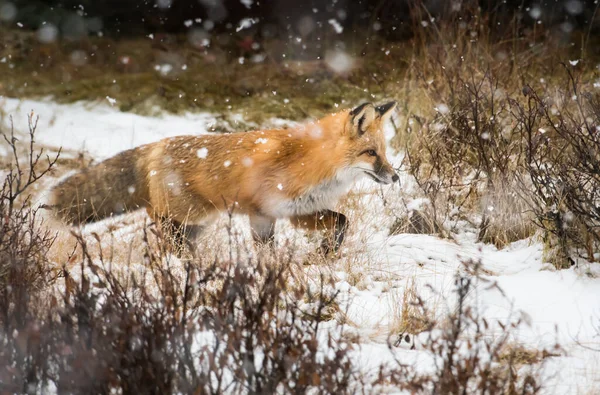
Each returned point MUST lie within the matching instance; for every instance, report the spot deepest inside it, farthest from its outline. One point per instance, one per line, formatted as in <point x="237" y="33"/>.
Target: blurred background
<point x="292" y="58"/>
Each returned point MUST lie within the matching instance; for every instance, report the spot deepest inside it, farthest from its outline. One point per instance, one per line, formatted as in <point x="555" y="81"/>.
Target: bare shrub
<point x="24" y="269"/>
<point x="466" y="359"/>
<point x="235" y="326"/>
<point x="465" y="160"/>
<point x="562" y="147"/>
<point x="458" y="136"/>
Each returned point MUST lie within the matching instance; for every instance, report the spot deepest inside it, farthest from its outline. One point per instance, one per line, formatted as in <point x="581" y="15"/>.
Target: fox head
<point x="367" y="151"/>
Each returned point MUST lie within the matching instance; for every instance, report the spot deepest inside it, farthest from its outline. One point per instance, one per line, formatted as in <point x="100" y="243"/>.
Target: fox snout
<point x="387" y="176"/>
<point x="384" y="172"/>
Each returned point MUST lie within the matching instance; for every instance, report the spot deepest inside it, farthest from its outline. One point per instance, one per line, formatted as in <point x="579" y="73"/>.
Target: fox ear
<point x="361" y="118"/>
<point x="385" y="110"/>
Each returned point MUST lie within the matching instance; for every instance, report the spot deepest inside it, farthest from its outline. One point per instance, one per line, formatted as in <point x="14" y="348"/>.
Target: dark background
<point x="276" y="18"/>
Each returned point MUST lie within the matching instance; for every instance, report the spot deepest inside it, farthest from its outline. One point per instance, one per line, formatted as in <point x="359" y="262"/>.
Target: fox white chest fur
<point x="320" y="197"/>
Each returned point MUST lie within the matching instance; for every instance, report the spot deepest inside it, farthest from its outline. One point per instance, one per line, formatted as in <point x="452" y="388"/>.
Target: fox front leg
<point x="333" y="223"/>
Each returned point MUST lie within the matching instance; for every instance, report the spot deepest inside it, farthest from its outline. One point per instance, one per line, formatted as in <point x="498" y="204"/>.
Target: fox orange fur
<point x="298" y="173"/>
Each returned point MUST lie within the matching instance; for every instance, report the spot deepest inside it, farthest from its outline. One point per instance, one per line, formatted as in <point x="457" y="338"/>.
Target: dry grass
<point x="409" y="316"/>
<point x="201" y="79"/>
<point x="518" y="355"/>
<point x="507" y="215"/>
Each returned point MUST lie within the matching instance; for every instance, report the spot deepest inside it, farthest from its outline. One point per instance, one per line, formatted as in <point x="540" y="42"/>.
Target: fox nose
<point x="395" y="178"/>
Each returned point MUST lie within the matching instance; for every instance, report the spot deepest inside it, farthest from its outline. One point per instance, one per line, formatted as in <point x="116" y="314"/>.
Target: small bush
<point x="562" y="150"/>
<point x="465" y="358"/>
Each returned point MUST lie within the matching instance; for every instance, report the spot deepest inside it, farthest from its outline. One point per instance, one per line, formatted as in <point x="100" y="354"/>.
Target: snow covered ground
<point x="558" y="306"/>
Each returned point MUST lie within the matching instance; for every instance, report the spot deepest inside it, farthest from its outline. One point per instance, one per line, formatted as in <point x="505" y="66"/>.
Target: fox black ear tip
<point x="358" y="109"/>
<point x="389" y="106"/>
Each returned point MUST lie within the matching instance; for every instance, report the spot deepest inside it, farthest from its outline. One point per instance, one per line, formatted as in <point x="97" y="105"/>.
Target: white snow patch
<point x="98" y="128"/>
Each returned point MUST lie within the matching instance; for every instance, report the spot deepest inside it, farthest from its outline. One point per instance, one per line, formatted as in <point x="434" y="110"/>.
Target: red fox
<point x="183" y="182"/>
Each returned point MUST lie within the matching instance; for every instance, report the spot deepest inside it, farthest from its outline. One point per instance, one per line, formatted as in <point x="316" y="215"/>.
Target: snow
<point x="245" y="23"/>
<point x="558" y="306"/>
<point x="442" y="108"/>
<point x="98" y="129"/>
<point x="574" y="7"/>
<point x="535" y="12"/>
<point x="339" y="61"/>
<point x="202" y="153"/>
<point x="336" y="25"/>
<point x="247" y="3"/>
<point x="47" y="33"/>
<point x="8" y="12"/>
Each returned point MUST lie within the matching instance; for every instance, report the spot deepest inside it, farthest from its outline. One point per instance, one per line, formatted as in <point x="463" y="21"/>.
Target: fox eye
<point x="370" y="152"/>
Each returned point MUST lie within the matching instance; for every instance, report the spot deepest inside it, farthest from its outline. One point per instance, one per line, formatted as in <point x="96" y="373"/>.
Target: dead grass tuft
<point x="409" y="315"/>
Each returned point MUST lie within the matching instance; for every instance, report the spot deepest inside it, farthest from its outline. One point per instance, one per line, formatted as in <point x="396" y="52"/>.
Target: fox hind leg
<point x="334" y="225"/>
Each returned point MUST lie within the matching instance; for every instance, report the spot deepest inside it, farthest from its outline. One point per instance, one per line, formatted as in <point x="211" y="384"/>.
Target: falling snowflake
<point x="336" y="25"/>
<point x="339" y="61"/>
<point x="245" y="23"/>
<point x="202" y="153"/>
<point x="442" y="108"/>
